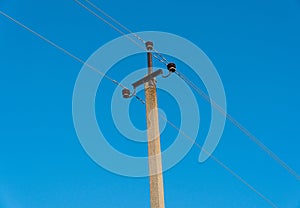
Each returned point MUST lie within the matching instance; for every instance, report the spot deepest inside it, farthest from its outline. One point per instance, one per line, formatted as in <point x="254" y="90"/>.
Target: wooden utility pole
<point x="154" y="150"/>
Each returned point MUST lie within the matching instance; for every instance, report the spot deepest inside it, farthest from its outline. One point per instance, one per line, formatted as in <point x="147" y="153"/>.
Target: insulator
<point x="171" y="67"/>
<point x="149" y="45"/>
<point x="126" y="93"/>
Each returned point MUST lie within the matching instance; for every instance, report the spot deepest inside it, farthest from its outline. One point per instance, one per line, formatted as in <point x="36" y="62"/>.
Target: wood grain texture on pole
<point x="154" y="149"/>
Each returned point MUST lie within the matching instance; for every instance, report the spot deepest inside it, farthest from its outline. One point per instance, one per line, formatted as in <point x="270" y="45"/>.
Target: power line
<point x="239" y="126"/>
<point x="108" y="23"/>
<point x="126" y="28"/>
<point x="157" y="55"/>
<point x="119" y="84"/>
<point x="115" y="21"/>
<point x="198" y="90"/>
<point x="60" y="48"/>
<point x="66" y="52"/>
<point x="229" y="170"/>
<point x="266" y="199"/>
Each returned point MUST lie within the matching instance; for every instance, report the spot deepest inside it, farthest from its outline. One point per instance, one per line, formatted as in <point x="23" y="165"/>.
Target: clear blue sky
<point x="255" y="47"/>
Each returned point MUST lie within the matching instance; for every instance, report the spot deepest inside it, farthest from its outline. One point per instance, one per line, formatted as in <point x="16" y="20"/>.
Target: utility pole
<point x="154" y="150"/>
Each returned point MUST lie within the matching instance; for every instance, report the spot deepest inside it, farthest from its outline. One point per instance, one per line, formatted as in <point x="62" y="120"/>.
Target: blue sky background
<point x="255" y="47"/>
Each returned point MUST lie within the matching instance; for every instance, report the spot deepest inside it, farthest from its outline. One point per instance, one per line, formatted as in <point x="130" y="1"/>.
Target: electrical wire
<point x="60" y="48"/>
<point x="239" y="126"/>
<point x="220" y="163"/>
<point x="122" y="86"/>
<point x="229" y="170"/>
<point x="115" y="21"/>
<point x="66" y="52"/>
<point x="125" y="28"/>
<point x="108" y="23"/>
<point x="156" y="54"/>
<point x="199" y="91"/>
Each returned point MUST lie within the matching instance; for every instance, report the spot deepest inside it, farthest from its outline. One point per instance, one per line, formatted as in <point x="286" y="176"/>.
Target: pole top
<point x="149" y="45"/>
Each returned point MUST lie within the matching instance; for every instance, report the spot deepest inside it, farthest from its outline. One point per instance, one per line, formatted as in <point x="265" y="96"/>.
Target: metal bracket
<point x="147" y="78"/>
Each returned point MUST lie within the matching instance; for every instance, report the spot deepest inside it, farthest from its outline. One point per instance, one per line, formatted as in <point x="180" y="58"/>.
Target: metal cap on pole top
<point x="149" y="45"/>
